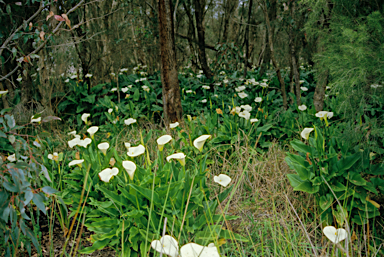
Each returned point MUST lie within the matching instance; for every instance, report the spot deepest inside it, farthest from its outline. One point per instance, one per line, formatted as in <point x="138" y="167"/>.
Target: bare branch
<point x="45" y="42"/>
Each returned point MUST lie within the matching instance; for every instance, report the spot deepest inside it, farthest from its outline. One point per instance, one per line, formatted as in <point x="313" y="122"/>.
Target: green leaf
<point x="301" y="147"/>
<point x="2" y="134"/>
<point x="338" y="187"/>
<point x="98" y="245"/>
<point x="114" y="197"/>
<point x="306" y="186"/>
<point x="39" y="201"/>
<point x="49" y="190"/>
<point x="294" y="179"/>
<point x="147" y="193"/>
<point x="326" y="201"/>
<point x="90" y="99"/>
<point x="356" y="179"/>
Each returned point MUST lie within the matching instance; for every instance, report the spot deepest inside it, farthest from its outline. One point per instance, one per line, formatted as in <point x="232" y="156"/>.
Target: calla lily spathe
<point x="302" y="107"/>
<point x="167" y="245"/>
<point x="136" y="151"/>
<point x="106" y="174"/>
<point x="324" y="114"/>
<point x="335" y="235"/>
<point x="54" y="156"/>
<point x="129" y="121"/>
<point x="200" y="141"/>
<point x="173" y="125"/>
<point x="305" y="133"/>
<point x="222" y="179"/>
<point x="130" y="167"/>
<point x="84" y="117"/>
<point x="103" y="147"/>
<point x="196" y="250"/>
<point x="92" y="130"/>
<point x="76" y="162"/>
<point x="161" y="141"/>
<point x="11" y="158"/>
<point x="74" y="142"/>
<point x="177" y="156"/>
<point x="245" y="114"/>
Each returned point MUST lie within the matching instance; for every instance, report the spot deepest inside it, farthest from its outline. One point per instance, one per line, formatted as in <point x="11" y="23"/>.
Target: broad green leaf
<point x="340" y="214"/>
<point x="356" y="179"/>
<point x="98" y="245"/>
<point x="114" y="197"/>
<point x="307" y="187"/>
<point x="147" y="193"/>
<point x="301" y="147"/>
<point x="325" y="201"/>
<point x="294" y="179"/>
<point x="39" y="201"/>
<point x="337" y="187"/>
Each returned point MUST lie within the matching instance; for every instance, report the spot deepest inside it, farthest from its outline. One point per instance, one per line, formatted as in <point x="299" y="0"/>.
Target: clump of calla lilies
<point x="169" y="246"/>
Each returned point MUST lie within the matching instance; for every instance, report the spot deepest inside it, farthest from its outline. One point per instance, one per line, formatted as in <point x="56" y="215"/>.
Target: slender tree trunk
<point x="199" y="10"/>
<point x="246" y="39"/>
<point x="275" y="64"/>
<point x="318" y="96"/>
<point x="293" y="57"/>
<point x="169" y="76"/>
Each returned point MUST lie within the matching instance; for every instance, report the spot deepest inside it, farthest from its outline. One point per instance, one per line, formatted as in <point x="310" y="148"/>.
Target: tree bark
<point x="293" y="58"/>
<point x="169" y="75"/>
<point x="199" y="9"/>
<point x="246" y="39"/>
<point x="275" y="64"/>
<point x="318" y="96"/>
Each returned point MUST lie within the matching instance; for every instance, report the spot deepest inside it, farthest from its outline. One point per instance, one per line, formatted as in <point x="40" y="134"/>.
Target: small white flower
<point x="225" y="81"/>
<point x="199" y="76"/>
<point x="19" y="79"/>
<point x="200" y="141"/>
<point x="166" y="245"/>
<point x="114" y="89"/>
<point x="239" y="89"/>
<point x="327" y="87"/>
<point x="246" y="107"/>
<point x="302" y="107"/>
<point x="222" y="73"/>
<point x="145" y="88"/>
<point x="74" y="142"/>
<point x="324" y="114"/>
<point x="129" y="121"/>
<point x="66" y="81"/>
<point x="177" y="156"/>
<point x="35" y="120"/>
<point x="84" y="143"/>
<point x="124" y="70"/>
<point x="130" y="167"/>
<point x="204" y="101"/>
<point x="161" y="141"/>
<point x="304" y="88"/>
<point x="376" y="86"/>
<point x="73" y="76"/>
<point x="263" y="84"/>
<point x="127" y="145"/>
<point x="222" y="179"/>
<point x="196" y="250"/>
<point x="305" y="133"/>
<point x="73" y="133"/>
<point x="88" y="75"/>
<point x="206" y="87"/>
<point x="112" y="74"/>
<point x="258" y="99"/>
<point x="335" y="235"/>
<point x="136" y="151"/>
<point x="124" y="89"/>
<point x="103" y="147"/>
<point x="54" y="156"/>
<point x="106" y="174"/>
<point x="242" y="95"/>
<point x="254" y="120"/>
<point x="76" y="162"/>
<point x="265" y="80"/>
<point x="11" y="158"/>
<point x="173" y="125"/>
<point x="110" y="110"/>
<point x="215" y="95"/>
<point x="189" y="91"/>
<point x="3" y="92"/>
<point x="92" y="130"/>
<point x="301" y="82"/>
<point x="245" y="114"/>
<point x="84" y="117"/>
<point x="201" y="72"/>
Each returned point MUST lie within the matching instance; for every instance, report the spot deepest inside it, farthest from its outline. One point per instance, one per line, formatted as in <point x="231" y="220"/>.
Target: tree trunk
<point x="169" y="75"/>
<point x="199" y="10"/>
<point x="293" y="57"/>
<point x="246" y="39"/>
<point x="277" y="68"/>
<point x="318" y="97"/>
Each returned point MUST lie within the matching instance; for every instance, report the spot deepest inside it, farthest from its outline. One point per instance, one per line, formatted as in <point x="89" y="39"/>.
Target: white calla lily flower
<point x="4" y="92"/>
<point x="92" y="130"/>
<point x="222" y="179"/>
<point x="130" y="167"/>
<point x="84" y="143"/>
<point x="73" y="133"/>
<point x="130" y="121"/>
<point x="324" y="114"/>
<point x="305" y="133"/>
<point x="177" y="156"/>
<point x="242" y="95"/>
<point x="38" y="120"/>
<point x="103" y="147"/>
<point x="258" y="99"/>
<point x="254" y="120"/>
<point x="173" y="125"/>
<point x="127" y="145"/>
<point x="196" y="250"/>
<point x="11" y="158"/>
<point x="245" y="114"/>
<point x="84" y="117"/>
<point x="302" y="107"/>
<point x="74" y="142"/>
<point x="304" y="88"/>
<point x="200" y="141"/>
<point x="54" y="156"/>
<point x="335" y="235"/>
<point x="106" y="174"/>
<point x="246" y="107"/>
<point x="136" y="151"/>
<point x="161" y="141"/>
<point x="166" y="245"/>
<point x="76" y="162"/>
